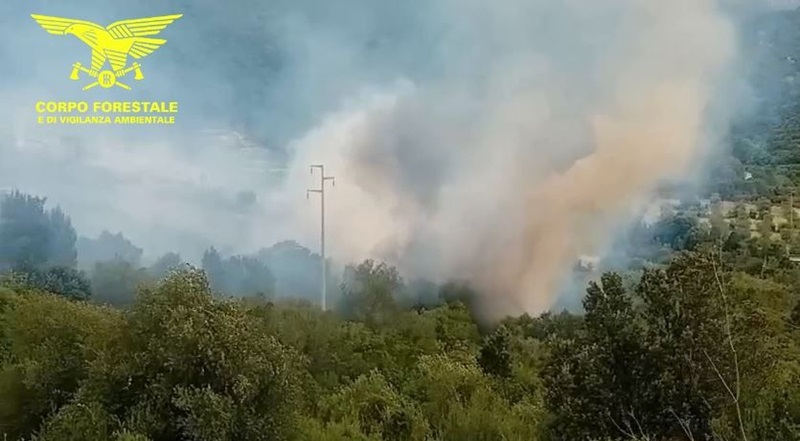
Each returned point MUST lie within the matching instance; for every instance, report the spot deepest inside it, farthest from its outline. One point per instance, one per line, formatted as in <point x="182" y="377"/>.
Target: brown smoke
<point x="507" y="205"/>
<point x="653" y="131"/>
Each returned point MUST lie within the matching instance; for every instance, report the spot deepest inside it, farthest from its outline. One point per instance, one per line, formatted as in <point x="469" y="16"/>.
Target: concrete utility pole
<point x="321" y="191"/>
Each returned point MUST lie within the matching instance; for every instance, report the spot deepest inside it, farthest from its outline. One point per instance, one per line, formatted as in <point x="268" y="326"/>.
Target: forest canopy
<point x="688" y="331"/>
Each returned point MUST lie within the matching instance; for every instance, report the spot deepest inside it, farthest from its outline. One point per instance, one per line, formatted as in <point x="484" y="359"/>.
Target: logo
<point x="113" y="43"/>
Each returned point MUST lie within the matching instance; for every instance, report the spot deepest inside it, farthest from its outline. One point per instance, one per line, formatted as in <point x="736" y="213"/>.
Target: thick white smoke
<point x="489" y="141"/>
<point x="504" y="173"/>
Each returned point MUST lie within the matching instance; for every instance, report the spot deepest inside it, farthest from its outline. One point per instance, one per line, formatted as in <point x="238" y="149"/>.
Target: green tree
<point x="461" y="403"/>
<point x="50" y="344"/>
<point x="368" y="292"/>
<point x="595" y="381"/>
<point x="377" y="409"/>
<point x="678" y="231"/>
<point x="495" y="355"/>
<point x="24" y="231"/>
<point x="239" y="276"/>
<point x="107" y="247"/>
<point x="62" y="240"/>
<point x="296" y="270"/>
<point x="116" y="282"/>
<point x="165" y="264"/>
<point x="61" y="280"/>
<point x="206" y="367"/>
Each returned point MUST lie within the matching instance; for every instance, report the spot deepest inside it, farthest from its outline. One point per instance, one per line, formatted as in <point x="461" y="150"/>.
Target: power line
<point x="321" y="191"/>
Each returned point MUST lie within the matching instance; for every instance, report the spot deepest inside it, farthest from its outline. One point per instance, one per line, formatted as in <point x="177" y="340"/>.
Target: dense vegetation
<point x="697" y="338"/>
<point x="702" y="342"/>
<point x="692" y="334"/>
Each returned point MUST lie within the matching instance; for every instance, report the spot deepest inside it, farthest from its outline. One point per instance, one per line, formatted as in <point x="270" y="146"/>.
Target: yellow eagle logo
<point x="113" y="43"/>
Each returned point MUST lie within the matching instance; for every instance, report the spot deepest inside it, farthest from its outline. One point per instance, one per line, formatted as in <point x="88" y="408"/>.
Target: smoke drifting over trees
<point x="504" y="172"/>
<point x="487" y="142"/>
<point x="479" y="148"/>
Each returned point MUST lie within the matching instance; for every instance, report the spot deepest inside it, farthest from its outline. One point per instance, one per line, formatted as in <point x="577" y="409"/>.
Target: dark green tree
<point x="295" y="268"/>
<point x="368" y="292"/>
<point x="107" y="247"/>
<point x="240" y="276"/>
<point x="495" y="355"/>
<point x="25" y="231"/>
<point x="596" y="382"/>
<point x="62" y="238"/>
<point x="60" y="280"/>
<point x="115" y="282"/>
<point x="165" y="264"/>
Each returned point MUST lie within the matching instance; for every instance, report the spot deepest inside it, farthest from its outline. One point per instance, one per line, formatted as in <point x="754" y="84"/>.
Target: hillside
<point x="687" y="330"/>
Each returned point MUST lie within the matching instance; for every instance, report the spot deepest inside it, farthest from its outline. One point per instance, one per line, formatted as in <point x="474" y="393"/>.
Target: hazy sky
<point x="492" y="140"/>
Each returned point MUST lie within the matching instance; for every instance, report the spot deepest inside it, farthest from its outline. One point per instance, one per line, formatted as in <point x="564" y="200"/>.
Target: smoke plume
<point x="505" y="173"/>
<point x="487" y="141"/>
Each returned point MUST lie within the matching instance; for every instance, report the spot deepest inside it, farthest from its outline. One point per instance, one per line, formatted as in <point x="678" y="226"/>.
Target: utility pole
<point x="790" y="216"/>
<point x="321" y="191"/>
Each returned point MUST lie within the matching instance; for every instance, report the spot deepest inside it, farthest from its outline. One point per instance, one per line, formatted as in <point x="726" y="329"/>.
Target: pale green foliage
<point x="312" y="429"/>
<point x="368" y="292"/>
<point x="695" y="348"/>
<point x="116" y="282"/>
<point x="129" y="436"/>
<point x="462" y="404"/>
<point x="78" y="422"/>
<point x="50" y="344"/>
<point x="377" y="409"/>
<point x="179" y="363"/>
<point x="207" y="414"/>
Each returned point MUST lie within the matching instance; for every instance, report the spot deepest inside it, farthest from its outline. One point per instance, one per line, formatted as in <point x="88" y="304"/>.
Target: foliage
<point x="179" y="364"/>
<point x="164" y="265"/>
<point x="669" y="358"/>
<point x="64" y="281"/>
<point x="115" y="282"/>
<point x="296" y="270"/>
<point x="239" y="276"/>
<point x="695" y="337"/>
<point x="107" y="247"/>
<point x="368" y="292"/>
<point x="32" y="236"/>
<point x="692" y="347"/>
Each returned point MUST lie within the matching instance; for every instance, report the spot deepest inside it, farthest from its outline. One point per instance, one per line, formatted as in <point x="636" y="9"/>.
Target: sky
<point x="488" y="141"/>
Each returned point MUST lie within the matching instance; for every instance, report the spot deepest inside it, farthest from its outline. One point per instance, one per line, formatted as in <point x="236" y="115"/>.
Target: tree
<point x="116" y="282"/>
<point x="564" y="325"/>
<point x="178" y="365"/>
<point x="680" y="232"/>
<point x="240" y="276"/>
<point x="376" y="409"/>
<point x="61" y="280"/>
<point x="32" y="238"/>
<point x="495" y="355"/>
<point x="595" y="381"/>
<point x="165" y="264"/>
<point x="766" y="227"/>
<point x="295" y="268"/>
<point x="107" y="247"/>
<point x="247" y="276"/>
<point x="25" y="231"/>
<point x="683" y="323"/>
<point x="61" y="250"/>
<point x="461" y="403"/>
<point x="233" y="380"/>
<point x="212" y="265"/>
<point x="49" y="343"/>
<point x="368" y="292"/>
